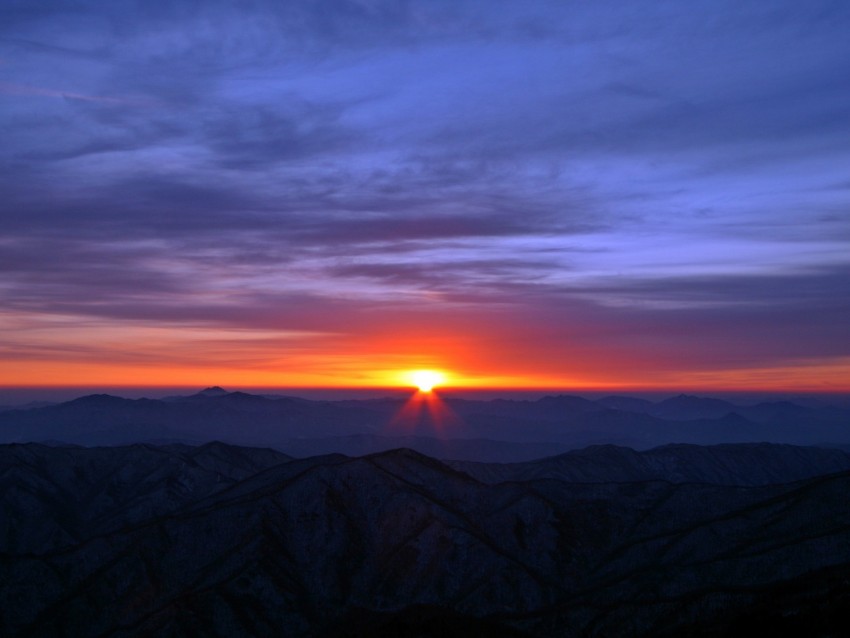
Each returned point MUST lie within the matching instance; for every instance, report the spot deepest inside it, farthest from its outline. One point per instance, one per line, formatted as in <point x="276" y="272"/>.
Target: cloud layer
<point x="547" y="195"/>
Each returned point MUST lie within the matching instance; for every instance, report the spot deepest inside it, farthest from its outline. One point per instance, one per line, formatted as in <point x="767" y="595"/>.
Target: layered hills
<point x="461" y="429"/>
<point x="219" y="540"/>
<point x="231" y="514"/>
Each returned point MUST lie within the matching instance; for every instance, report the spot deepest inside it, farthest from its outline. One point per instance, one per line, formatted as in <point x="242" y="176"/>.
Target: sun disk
<point x="425" y="380"/>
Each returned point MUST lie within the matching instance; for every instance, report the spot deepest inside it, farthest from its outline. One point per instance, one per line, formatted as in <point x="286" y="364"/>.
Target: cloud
<point x="659" y="182"/>
<point x="22" y="89"/>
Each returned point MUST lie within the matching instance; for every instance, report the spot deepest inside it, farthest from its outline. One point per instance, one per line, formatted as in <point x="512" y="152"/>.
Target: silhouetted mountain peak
<point x="404" y="454"/>
<point x="411" y="462"/>
<point x="686" y="406"/>
<point x="214" y="391"/>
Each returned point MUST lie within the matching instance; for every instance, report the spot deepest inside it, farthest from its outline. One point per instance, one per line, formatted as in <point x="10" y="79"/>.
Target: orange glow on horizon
<point x="803" y="378"/>
<point x="73" y="353"/>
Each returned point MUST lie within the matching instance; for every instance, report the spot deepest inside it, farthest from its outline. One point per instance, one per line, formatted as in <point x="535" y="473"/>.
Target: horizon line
<point x="441" y="389"/>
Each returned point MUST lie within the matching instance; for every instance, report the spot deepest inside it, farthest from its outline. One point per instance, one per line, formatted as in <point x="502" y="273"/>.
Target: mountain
<point x="686" y="408"/>
<point x="506" y="430"/>
<point x="398" y="543"/>
<point x="27" y="406"/>
<point x="233" y="417"/>
<point x="54" y="497"/>
<point x="742" y="464"/>
<point x="627" y="404"/>
<point x="214" y="391"/>
<point x="483" y="450"/>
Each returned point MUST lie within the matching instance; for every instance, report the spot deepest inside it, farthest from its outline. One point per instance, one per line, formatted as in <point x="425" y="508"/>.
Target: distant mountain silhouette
<point x="686" y="407"/>
<point x="27" y="406"/>
<point x="214" y="391"/>
<point x="627" y="404"/>
<point x="507" y="430"/>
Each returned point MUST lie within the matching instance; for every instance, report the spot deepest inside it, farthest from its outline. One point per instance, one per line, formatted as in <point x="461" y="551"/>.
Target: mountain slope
<point x="55" y="497"/>
<point x="316" y="546"/>
<point x="740" y="464"/>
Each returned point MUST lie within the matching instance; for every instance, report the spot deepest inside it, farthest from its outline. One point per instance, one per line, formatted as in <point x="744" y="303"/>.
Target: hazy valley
<point x="496" y="430"/>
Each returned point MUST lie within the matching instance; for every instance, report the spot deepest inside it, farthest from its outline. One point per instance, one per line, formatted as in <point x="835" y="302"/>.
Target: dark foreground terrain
<point x="218" y="540"/>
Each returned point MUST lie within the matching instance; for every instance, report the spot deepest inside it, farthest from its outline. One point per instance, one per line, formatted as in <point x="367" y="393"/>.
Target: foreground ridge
<point x="181" y="541"/>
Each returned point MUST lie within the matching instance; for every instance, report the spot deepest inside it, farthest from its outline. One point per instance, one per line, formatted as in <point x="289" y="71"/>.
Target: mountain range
<point x="452" y="428"/>
<point x="218" y="540"/>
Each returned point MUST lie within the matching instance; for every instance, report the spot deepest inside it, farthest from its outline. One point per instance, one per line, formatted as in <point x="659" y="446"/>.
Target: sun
<point x="425" y="380"/>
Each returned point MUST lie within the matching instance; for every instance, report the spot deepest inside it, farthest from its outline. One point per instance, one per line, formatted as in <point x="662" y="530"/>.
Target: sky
<point x="332" y="193"/>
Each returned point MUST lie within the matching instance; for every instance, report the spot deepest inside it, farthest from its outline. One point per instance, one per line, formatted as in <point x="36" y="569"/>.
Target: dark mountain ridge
<point x="727" y="464"/>
<point x="65" y="495"/>
<point x="339" y="546"/>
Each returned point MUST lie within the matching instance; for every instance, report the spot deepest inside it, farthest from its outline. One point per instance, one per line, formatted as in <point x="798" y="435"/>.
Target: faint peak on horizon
<point x="213" y="391"/>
